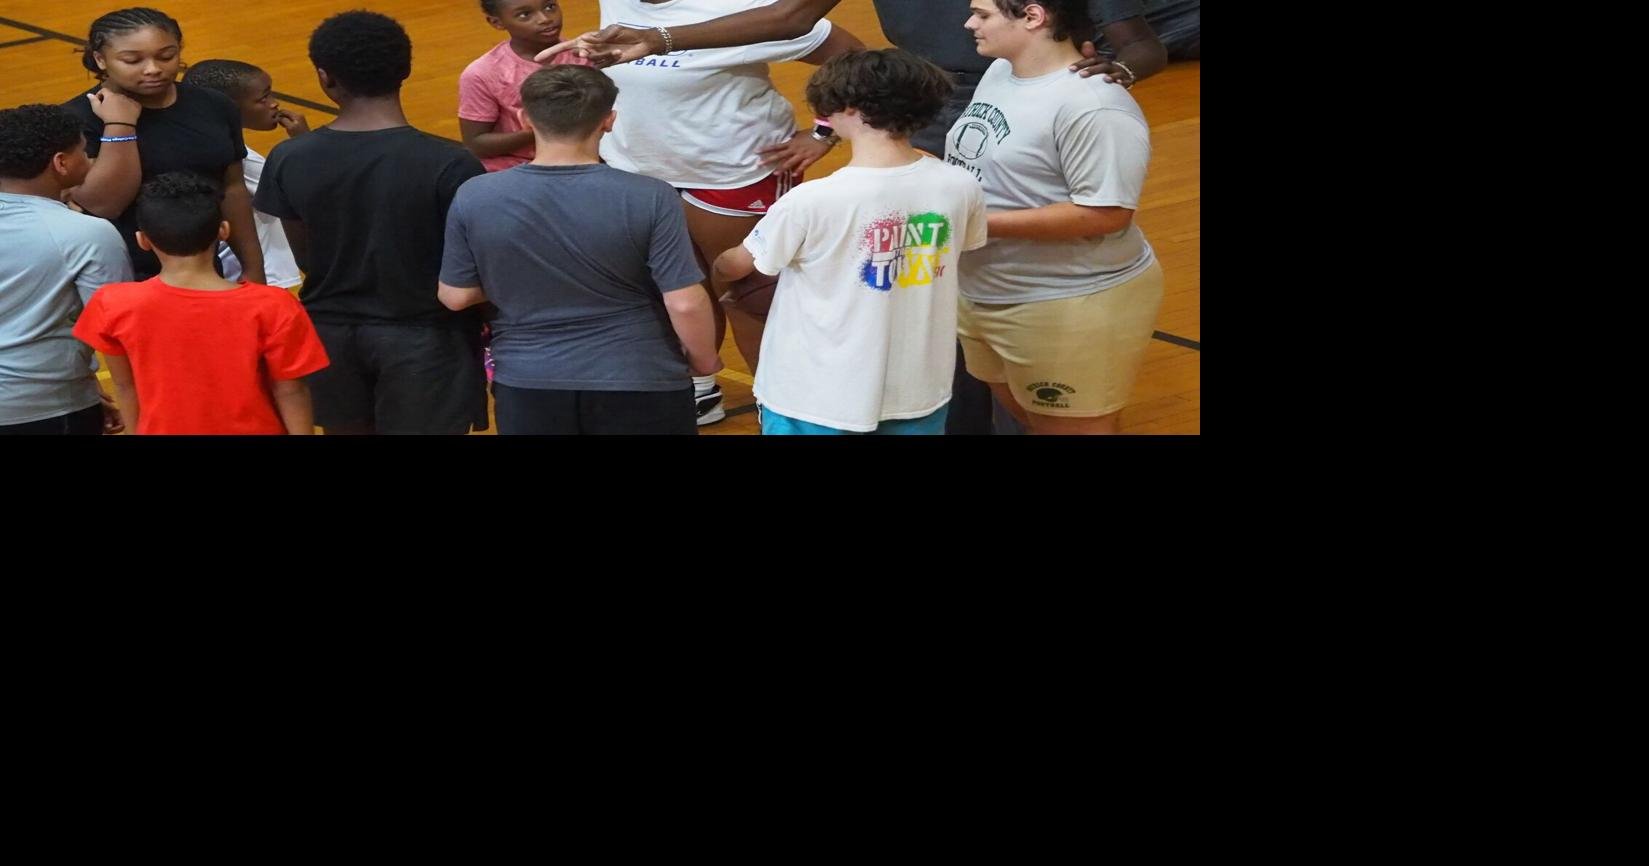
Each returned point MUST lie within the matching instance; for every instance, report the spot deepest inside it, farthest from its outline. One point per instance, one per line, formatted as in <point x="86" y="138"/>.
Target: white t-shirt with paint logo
<point x="863" y="323"/>
<point x="1039" y="141"/>
<point x="696" y="119"/>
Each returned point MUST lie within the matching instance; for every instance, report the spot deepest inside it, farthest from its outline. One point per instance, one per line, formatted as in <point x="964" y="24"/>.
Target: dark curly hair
<point x="179" y="212"/>
<point x="30" y="135"/>
<point x="1070" y="17"/>
<point x="124" y="21"/>
<point x="894" y="90"/>
<point x="228" y="77"/>
<point x="368" y="54"/>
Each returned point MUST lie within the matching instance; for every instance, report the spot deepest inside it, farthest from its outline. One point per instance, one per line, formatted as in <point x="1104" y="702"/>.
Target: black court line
<point x="44" y="34"/>
<point x="1176" y="340"/>
<point x="29" y="41"/>
<point x="298" y="100"/>
<point x="742" y="410"/>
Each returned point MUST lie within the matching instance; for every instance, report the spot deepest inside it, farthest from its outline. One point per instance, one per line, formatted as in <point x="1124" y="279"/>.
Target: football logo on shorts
<point x="1051" y="394"/>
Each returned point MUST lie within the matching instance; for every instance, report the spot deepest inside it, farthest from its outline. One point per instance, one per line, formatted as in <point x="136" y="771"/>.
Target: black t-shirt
<point x="375" y="208"/>
<point x="200" y="132"/>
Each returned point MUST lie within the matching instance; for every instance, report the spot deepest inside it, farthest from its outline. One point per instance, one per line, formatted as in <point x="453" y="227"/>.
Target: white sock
<point x="703" y="385"/>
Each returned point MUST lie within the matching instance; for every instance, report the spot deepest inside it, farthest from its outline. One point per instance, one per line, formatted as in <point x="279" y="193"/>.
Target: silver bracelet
<point x="1131" y="76"/>
<point x="669" y="41"/>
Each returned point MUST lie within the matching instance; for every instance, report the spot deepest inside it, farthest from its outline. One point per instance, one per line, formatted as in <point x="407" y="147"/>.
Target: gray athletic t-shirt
<point x="576" y="259"/>
<point x="1041" y="141"/>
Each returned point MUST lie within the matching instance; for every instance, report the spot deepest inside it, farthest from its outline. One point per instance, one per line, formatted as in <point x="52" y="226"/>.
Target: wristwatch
<point x="823" y="132"/>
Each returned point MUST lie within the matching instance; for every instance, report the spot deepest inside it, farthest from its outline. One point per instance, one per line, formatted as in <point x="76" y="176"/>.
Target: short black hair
<point x="567" y="101"/>
<point x="232" y="78"/>
<point x="1070" y="17"/>
<point x="894" y="90"/>
<point x="180" y="212"/>
<point x="368" y="54"/>
<point x="30" y="135"/>
<point x="124" y="21"/>
<point x="491" y="6"/>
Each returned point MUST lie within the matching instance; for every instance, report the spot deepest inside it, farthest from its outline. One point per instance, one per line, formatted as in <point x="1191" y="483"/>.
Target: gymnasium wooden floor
<point x="39" y="56"/>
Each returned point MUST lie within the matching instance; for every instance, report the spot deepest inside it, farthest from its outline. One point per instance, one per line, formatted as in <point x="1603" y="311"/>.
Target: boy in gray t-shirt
<point x="51" y="262"/>
<point x="588" y="267"/>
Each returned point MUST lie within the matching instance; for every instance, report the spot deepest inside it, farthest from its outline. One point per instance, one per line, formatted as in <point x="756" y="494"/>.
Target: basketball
<point x="752" y="295"/>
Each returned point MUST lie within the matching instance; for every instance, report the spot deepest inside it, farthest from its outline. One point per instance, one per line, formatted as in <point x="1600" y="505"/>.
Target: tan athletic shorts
<point x="1074" y="357"/>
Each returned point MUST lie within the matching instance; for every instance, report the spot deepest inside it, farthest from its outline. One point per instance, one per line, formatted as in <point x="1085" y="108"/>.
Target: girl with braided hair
<point x="140" y="122"/>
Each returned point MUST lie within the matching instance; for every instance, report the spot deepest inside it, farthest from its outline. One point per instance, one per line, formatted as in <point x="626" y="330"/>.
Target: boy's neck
<point x="43" y="186"/>
<point x="369" y="113"/>
<point x="1044" y="56"/>
<point x="873" y="148"/>
<point x="560" y="151"/>
<point x="193" y="272"/>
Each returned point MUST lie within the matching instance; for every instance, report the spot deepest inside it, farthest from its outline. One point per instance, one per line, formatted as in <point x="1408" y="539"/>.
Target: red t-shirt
<point x="204" y="360"/>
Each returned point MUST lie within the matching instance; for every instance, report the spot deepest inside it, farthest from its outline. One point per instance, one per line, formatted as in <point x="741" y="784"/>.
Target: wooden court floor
<point x="39" y="62"/>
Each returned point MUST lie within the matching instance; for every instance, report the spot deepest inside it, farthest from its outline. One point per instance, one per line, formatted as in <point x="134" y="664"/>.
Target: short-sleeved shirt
<point x="577" y="259"/>
<point x="1035" y="142"/>
<point x="51" y="261"/>
<point x="374" y="207"/>
<point x="200" y="133"/>
<point x="204" y="361"/>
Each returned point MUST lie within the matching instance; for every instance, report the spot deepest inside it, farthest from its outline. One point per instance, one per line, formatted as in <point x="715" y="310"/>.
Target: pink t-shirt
<point x="489" y="91"/>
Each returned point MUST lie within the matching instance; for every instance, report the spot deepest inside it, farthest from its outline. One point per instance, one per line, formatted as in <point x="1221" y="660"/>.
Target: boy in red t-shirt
<point x="190" y="351"/>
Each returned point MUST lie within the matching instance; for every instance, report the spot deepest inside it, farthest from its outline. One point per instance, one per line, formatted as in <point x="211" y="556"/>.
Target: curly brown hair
<point x="894" y="90"/>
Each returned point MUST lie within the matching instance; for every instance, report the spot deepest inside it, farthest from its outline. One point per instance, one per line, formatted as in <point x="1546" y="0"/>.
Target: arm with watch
<point x="805" y="148"/>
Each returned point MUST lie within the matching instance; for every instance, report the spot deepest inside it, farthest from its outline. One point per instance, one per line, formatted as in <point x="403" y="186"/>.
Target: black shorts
<point x="532" y="412"/>
<point x="400" y="379"/>
<point x="86" y="422"/>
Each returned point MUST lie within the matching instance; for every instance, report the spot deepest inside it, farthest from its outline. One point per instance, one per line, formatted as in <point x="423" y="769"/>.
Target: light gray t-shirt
<point x="1041" y="141"/>
<point x="577" y="260"/>
<point x="51" y="261"/>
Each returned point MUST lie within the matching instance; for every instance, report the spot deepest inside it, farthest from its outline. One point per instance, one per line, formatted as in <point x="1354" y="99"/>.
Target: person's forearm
<point x="786" y="19"/>
<point x="296" y="409"/>
<point x="485" y="141"/>
<point x="491" y="144"/>
<point x="695" y="326"/>
<point x="1138" y="47"/>
<point x="243" y="232"/>
<point x="733" y="265"/>
<point x="1058" y="222"/>
<point x="126" y="399"/>
<point x="112" y="185"/>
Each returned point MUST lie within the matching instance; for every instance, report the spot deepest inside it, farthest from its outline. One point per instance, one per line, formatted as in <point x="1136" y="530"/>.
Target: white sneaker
<point x="709" y="406"/>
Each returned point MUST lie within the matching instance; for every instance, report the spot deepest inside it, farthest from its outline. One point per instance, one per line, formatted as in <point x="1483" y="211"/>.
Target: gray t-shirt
<point x="1039" y="141"/>
<point x="577" y="260"/>
<point x="933" y="29"/>
<point x="51" y="261"/>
